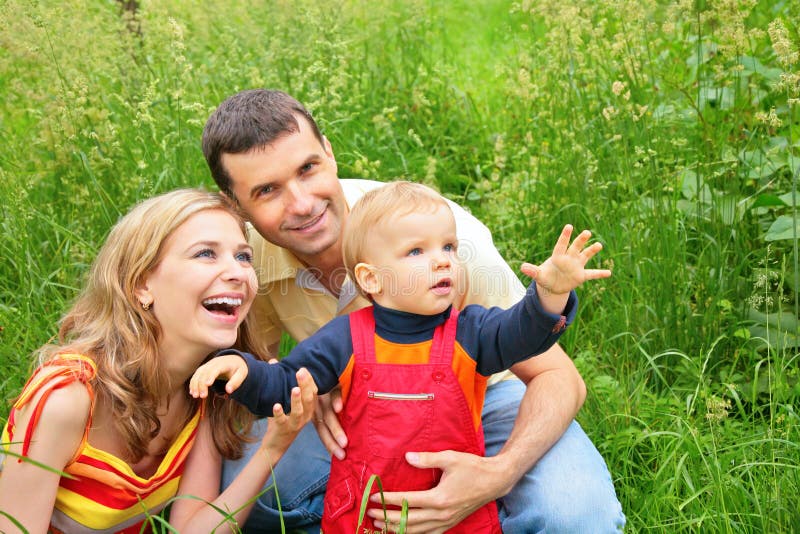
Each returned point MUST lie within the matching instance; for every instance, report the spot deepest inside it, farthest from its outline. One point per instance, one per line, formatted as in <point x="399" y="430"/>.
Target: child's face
<point x="414" y="257"/>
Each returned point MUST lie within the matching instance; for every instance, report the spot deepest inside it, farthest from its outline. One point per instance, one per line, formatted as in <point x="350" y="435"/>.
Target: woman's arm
<point x="201" y="476"/>
<point x="27" y="491"/>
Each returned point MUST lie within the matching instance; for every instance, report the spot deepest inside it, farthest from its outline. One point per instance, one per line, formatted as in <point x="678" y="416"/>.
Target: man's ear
<point x="230" y="196"/>
<point x="367" y="279"/>
<point x="326" y="145"/>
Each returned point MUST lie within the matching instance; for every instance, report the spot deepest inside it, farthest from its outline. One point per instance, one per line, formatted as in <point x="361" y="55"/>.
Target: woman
<point x="109" y="405"/>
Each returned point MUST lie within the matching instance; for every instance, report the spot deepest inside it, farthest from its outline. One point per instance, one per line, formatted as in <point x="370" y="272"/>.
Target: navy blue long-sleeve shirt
<point x="488" y="340"/>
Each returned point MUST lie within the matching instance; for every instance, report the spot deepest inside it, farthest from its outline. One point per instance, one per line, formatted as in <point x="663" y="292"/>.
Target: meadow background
<point x="669" y="129"/>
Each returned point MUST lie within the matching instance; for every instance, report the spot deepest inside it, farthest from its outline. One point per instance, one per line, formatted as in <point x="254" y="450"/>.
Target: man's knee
<point x="568" y="490"/>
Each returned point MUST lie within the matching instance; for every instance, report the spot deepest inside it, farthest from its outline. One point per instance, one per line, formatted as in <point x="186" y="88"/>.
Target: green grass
<point x="669" y="130"/>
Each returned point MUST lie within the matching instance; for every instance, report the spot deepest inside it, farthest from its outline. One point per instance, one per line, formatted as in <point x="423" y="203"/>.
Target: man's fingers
<point x="337" y="403"/>
<point x="327" y="424"/>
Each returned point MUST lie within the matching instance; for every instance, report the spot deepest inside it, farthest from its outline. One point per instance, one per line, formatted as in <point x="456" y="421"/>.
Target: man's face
<point x="291" y="192"/>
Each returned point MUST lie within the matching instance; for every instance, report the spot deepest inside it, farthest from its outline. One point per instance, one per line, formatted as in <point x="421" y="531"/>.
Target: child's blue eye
<point x="449" y="247"/>
<point x="415" y="252"/>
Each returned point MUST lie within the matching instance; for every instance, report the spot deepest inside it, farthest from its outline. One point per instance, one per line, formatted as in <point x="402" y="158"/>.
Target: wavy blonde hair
<point x="107" y="323"/>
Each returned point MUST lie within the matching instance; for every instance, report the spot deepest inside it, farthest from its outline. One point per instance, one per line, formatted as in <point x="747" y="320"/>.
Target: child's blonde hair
<point x="380" y="207"/>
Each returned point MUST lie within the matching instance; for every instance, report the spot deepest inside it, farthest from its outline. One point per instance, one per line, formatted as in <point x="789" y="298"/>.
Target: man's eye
<point x="265" y="190"/>
<point x="305" y="168"/>
<point x="414" y="252"/>
<point x="244" y="257"/>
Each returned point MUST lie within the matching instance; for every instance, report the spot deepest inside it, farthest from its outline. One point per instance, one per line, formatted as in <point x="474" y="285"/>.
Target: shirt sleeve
<point x="325" y="355"/>
<point x="498" y="338"/>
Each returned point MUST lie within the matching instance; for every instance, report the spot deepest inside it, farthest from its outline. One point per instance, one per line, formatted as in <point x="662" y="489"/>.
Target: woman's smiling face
<point x="203" y="284"/>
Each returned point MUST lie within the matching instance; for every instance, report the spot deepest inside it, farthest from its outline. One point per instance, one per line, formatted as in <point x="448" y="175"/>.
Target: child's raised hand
<point x="564" y="270"/>
<point x="228" y="366"/>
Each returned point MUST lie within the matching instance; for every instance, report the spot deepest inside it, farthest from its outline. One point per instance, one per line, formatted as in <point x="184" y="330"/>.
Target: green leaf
<point x="701" y="54"/>
<point x="728" y="209"/>
<point x="782" y="228"/>
<point x="752" y="65"/>
<point x="766" y="169"/>
<point x="717" y="97"/>
<point x="776" y="339"/>
<point x="786" y="198"/>
<point x="769" y="200"/>
<point x="693" y="186"/>
<point x="779" y="320"/>
<point x="742" y="333"/>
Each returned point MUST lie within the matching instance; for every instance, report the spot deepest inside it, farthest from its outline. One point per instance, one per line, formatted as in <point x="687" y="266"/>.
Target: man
<point x="265" y="150"/>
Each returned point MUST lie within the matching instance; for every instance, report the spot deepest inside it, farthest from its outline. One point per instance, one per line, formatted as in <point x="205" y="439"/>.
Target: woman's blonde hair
<point x="108" y="324"/>
<point x="379" y="207"/>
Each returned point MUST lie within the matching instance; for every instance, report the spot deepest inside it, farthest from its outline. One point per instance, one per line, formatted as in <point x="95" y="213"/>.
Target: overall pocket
<point x="399" y="422"/>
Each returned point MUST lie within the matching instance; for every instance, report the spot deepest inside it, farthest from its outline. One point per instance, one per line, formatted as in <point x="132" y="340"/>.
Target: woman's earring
<point x="145" y="306"/>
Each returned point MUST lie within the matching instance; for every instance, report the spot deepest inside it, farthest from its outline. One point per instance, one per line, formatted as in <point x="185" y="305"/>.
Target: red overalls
<point x="393" y="409"/>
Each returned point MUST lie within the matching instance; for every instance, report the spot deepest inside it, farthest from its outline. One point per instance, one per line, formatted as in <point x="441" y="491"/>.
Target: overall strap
<point x="444" y="338"/>
<point x="362" y="332"/>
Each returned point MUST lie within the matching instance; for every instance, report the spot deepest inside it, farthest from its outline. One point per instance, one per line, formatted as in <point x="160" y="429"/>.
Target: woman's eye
<point x="244" y="257"/>
<point x="415" y="252"/>
<point x="205" y="253"/>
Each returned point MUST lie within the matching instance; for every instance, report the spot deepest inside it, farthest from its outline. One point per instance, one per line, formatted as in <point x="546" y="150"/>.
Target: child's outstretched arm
<point x="565" y="269"/>
<point x="228" y="366"/>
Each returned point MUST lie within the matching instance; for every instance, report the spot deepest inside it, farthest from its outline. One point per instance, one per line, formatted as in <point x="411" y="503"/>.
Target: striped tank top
<point x="105" y="496"/>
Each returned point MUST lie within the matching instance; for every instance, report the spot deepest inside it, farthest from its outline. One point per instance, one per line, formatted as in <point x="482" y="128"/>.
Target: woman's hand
<point x="283" y="428"/>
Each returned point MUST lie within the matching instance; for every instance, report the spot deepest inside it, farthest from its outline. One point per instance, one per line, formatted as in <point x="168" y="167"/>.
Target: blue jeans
<point x="568" y="490"/>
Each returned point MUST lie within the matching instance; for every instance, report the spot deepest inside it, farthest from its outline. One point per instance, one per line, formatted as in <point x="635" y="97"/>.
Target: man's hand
<point x="327" y="423"/>
<point x="458" y="494"/>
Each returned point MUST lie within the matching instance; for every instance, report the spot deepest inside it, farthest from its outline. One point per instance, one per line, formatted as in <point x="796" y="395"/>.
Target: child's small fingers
<point x="563" y="240"/>
<point x="596" y="274"/>
<point x="580" y="241"/>
<point x="590" y="251"/>
<point x="529" y="269"/>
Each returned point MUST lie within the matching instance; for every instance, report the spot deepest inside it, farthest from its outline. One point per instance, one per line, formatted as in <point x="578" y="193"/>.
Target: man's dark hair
<point x="247" y="120"/>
